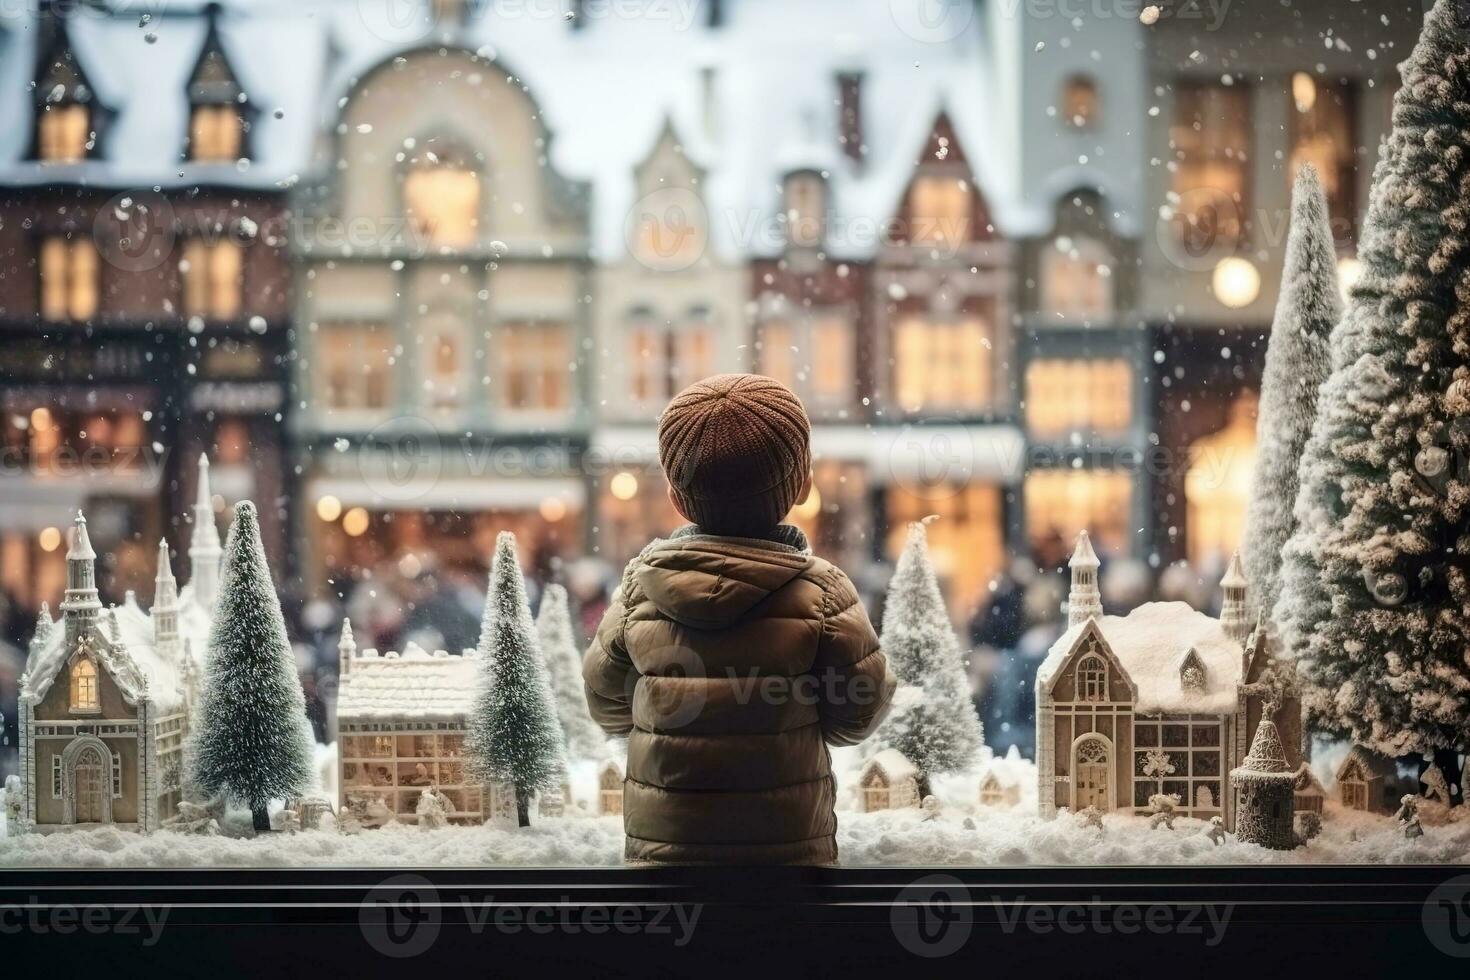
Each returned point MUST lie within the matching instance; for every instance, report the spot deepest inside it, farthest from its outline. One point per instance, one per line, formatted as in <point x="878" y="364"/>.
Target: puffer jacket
<point x="731" y="664"/>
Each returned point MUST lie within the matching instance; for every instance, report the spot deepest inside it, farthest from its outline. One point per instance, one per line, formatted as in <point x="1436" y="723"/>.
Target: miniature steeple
<point x="1084" y="602"/>
<point x="346" y="650"/>
<point x="204" y="547"/>
<point x="1264" y="785"/>
<point x="1234" y="616"/>
<point x="165" y="607"/>
<point x="80" y="605"/>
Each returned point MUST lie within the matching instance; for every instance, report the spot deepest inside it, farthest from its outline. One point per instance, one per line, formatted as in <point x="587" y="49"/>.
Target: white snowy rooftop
<point x="1150" y="644"/>
<point x="605" y="92"/>
<point x="414" y="685"/>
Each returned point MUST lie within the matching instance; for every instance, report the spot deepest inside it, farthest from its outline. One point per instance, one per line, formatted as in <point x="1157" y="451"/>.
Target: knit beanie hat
<point x="736" y="449"/>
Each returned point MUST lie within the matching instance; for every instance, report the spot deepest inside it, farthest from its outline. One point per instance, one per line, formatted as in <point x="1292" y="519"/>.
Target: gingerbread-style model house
<point x="1160" y="701"/>
<point x="106" y="696"/>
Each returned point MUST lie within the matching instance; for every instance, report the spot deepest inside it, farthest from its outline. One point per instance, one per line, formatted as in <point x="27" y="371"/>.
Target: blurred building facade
<point x="1019" y="265"/>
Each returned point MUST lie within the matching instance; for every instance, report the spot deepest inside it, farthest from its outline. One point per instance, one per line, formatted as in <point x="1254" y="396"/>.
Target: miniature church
<point x="1164" y="700"/>
<point x="106" y="696"/>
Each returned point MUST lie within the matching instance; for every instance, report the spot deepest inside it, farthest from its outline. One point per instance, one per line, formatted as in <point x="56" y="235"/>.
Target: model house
<point x="888" y="781"/>
<point x="1161" y="700"/>
<point x="106" y="695"/>
<point x="1366" y="780"/>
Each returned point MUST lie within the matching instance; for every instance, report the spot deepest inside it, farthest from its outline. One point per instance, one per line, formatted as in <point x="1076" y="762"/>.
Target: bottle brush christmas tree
<point x="564" y="666"/>
<point x="251" y="743"/>
<point x="514" y="736"/>
<point x="1380" y="612"/>
<point x="933" y="721"/>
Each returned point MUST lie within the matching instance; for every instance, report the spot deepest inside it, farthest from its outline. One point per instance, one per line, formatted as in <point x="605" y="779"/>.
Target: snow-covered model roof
<point x="1363" y="763"/>
<point x="1152" y="645"/>
<point x="893" y="764"/>
<point x="414" y="685"/>
<point x="751" y="99"/>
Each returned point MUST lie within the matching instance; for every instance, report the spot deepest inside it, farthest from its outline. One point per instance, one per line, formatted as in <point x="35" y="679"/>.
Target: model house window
<point x="442" y="202"/>
<point x="536" y="370"/>
<point x="1061" y="502"/>
<point x="116" y="777"/>
<point x="56" y="777"/>
<point x="216" y="134"/>
<point x="63" y="132"/>
<point x="355" y="364"/>
<point x="1082" y="395"/>
<point x="443" y="362"/>
<point x="1079" y="101"/>
<point x="1324" y="134"/>
<point x="1076" y="279"/>
<point x="941" y="210"/>
<point x="943" y="365"/>
<point x="1092" y="679"/>
<point x="1211" y="138"/>
<point x="69" y="277"/>
<point x="84" y="686"/>
<point x="805" y="195"/>
<point x="213" y="278"/>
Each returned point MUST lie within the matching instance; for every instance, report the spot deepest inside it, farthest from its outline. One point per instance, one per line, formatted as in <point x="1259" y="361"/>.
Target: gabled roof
<point x="414" y="685"/>
<point x="1363" y="763"/>
<point x="1307" y="783"/>
<point x="893" y="764"/>
<point x="1149" y="645"/>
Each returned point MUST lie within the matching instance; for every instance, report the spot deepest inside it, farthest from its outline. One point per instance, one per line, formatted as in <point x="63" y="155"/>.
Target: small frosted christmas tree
<point x="251" y="743"/>
<point x="1297" y="362"/>
<point x="1380" y="611"/>
<point x="933" y="721"/>
<point x="513" y="733"/>
<point x="564" y="667"/>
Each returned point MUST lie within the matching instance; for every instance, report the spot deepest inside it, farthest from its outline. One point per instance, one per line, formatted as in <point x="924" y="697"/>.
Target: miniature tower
<point x="166" y="608"/>
<point x="1084" y="602"/>
<point x="1233" y="614"/>
<point x="1264" y="788"/>
<point x="204" y="547"/>
<point x="346" y="650"/>
<point x="80" y="606"/>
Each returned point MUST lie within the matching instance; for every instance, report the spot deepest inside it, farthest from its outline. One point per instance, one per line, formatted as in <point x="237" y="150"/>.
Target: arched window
<point x="1092" y="678"/>
<point x="441" y="198"/>
<point x="84" y="686"/>
<point x="1079" y="101"/>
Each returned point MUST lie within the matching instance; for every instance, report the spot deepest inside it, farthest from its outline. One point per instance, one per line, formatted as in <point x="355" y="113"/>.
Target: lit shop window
<point x="1217" y="484"/>
<point x="536" y="366"/>
<point x="1211" y="138"/>
<point x="941" y="209"/>
<point x="967" y="541"/>
<point x="69" y="277"/>
<point x="813" y="356"/>
<point x="442" y="202"/>
<point x="443" y="363"/>
<point x="63" y="132"/>
<point x="355" y="365"/>
<point x="1323" y="134"/>
<point x="213" y="278"/>
<point x="804" y="196"/>
<point x="1079" y="102"/>
<point x="1077" y="279"/>
<point x="1083" y="395"/>
<point x="664" y="359"/>
<point x="1062" y="502"/>
<point x="943" y="365"/>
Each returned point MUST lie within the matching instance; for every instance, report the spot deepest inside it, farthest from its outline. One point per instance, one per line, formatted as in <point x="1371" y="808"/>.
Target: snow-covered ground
<point x="899" y="837"/>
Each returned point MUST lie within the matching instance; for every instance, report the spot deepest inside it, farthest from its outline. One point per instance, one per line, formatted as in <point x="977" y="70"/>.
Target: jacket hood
<point x="708" y="582"/>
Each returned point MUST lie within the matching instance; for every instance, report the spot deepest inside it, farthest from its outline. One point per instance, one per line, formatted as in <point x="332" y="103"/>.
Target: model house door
<point x="88" y="786"/>
<point x="1092" y="773"/>
<point x="1354" y="796"/>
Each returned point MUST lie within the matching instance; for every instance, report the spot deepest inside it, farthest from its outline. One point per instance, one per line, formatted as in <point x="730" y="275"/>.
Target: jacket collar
<point x="782" y="537"/>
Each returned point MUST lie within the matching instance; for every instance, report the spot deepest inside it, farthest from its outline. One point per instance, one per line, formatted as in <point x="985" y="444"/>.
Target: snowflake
<point x="1156" y="764"/>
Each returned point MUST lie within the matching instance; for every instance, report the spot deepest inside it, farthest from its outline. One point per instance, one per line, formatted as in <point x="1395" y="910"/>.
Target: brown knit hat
<point x="736" y="449"/>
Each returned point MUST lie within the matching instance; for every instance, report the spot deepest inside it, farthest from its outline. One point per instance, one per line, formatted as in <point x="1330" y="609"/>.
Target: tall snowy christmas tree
<point x="1298" y="361"/>
<point x="1380" y="612"/>
<point x="514" y="736"/>
<point x="933" y="721"/>
<point x="584" y="740"/>
<point x="251" y="743"/>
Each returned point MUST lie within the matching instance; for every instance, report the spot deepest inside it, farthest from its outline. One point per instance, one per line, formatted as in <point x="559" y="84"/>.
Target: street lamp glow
<point x="329" y="508"/>
<point x="1236" y="282"/>
<point x="355" y="522"/>
<point x="553" y="509"/>
<point x="1349" y="269"/>
<point x="49" y="539"/>
<point x="624" y="486"/>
